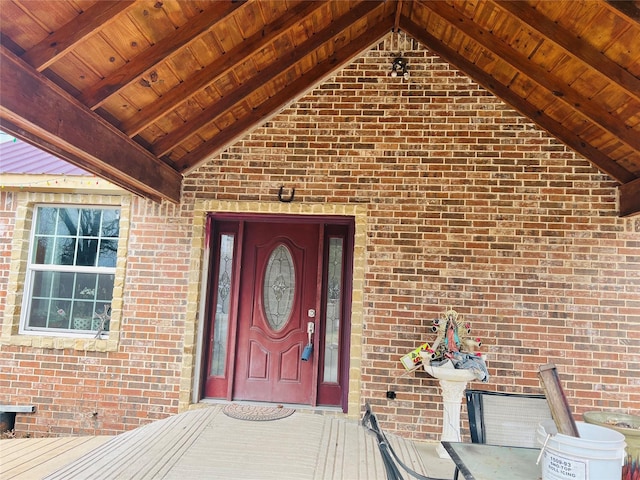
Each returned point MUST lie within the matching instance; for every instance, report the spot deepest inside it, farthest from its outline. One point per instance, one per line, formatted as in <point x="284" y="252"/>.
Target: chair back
<point x="507" y="419"/>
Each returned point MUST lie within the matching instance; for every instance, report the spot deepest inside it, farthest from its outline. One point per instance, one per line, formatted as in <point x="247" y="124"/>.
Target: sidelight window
<point x="222" y="305"/>
<point x="333" y="308"/>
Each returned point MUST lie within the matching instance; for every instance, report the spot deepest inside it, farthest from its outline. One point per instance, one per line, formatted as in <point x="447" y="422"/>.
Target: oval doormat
<point x="255" y="413"/>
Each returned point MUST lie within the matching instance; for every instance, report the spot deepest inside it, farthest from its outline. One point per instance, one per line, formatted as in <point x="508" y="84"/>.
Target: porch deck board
<point x="267" y="450"/>
<point x="351" y="453"/>
<point x="143" y="452"/>
<point x="206" y="444"/>
<point x="36" y="457"/>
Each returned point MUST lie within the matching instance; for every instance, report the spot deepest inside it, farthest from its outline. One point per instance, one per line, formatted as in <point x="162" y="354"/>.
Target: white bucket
<point x="598" y="454"/>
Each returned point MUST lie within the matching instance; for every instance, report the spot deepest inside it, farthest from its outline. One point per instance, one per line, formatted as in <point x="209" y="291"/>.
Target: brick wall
<point x="89" y="386"/>
<point x="468" y="205"/>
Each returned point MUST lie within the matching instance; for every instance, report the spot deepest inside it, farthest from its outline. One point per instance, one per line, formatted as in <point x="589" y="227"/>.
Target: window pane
<point x="279" y="287"/>
<point x="85" y="285"/>
<point x="82" y="315"/>
<point x="105" y="287"/>
<point x="42" y="282"/>
<point x="43" y="251"/>
<point x="62" y="285"/>
<point x="333" y="308"/>
<point x="108" y="253"/>
<point x="67" y="221"/>
<point x="59" y="314"/>
<point x="39" y="312"/>
<point x="110" y="223"/>
<point x="87" y="252"/>
<point x="221" y="321"/>
<point x="64" y="251"/>
<point x="90" y="223"/>
<point x="46" y="222"/>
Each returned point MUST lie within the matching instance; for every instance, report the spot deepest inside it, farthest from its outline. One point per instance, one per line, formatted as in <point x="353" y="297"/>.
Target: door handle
<point x="306" y="354"/>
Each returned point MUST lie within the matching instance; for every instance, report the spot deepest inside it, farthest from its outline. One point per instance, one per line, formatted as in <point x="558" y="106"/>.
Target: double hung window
<point x="71" y="270"/>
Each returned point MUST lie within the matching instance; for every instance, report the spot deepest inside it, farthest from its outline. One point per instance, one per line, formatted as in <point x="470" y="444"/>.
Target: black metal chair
<point x="392" y="463"/>
<point x="506" y="419"/>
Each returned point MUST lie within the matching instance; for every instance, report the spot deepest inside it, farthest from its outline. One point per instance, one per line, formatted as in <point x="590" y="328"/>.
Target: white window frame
<point x="32" y="268"/>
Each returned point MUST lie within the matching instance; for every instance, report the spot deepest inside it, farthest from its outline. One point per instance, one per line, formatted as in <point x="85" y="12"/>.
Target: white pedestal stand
<point x="453" y="382"/>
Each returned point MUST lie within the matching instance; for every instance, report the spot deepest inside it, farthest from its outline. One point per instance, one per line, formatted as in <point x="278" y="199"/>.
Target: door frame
<point x="347" y="223"/>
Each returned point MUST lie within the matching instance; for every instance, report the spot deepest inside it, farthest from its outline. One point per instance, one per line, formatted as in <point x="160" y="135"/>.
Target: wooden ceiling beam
<point x="573" y="46"/>
<point x="212" y="72"/>
<point x="396" y="22"/>
<point x="63" y="40"/>
<point x="188" y="128"/>
<point x="274" y="104"/>
<point x="595" y="156"/>
<point x="107" y="174"/>
<point x="540" y="76"/>
<point x="96" y="94"/>
<point x="628" y="8"/>
<point x="629" y="198"/>
<point x="34" y="105"/>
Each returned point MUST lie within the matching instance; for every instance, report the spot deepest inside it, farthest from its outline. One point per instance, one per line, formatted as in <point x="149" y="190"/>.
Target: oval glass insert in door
<point x="279" y="287"/>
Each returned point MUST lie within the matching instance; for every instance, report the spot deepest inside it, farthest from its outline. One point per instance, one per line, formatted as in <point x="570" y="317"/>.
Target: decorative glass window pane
<point x="333" y="308"/>
<point x="71" y="275"/>
<point x="223" y="300"/>
<point x="279" y="287"/>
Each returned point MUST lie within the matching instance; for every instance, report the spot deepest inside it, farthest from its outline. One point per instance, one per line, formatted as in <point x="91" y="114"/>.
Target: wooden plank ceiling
<point x="141" y="92"/>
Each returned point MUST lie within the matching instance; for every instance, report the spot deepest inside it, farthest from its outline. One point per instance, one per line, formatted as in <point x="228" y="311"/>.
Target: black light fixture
<point x="400" y="67"/>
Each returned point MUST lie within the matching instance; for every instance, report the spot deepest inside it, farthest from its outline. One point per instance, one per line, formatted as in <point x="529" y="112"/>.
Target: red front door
<point x="278" y="298"/>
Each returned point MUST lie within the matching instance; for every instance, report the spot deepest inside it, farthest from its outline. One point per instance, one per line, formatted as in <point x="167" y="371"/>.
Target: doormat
<point x="256" y="413"/>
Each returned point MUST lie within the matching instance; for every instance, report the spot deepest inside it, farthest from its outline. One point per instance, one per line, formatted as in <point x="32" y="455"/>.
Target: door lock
<point x="306" y="354"/>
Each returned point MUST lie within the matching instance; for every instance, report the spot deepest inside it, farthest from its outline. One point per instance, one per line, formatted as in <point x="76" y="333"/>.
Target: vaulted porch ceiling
<point x="142" y="92"/>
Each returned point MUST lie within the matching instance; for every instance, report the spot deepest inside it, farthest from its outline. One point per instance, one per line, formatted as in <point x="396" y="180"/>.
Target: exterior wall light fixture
<point x="400" y="67"/>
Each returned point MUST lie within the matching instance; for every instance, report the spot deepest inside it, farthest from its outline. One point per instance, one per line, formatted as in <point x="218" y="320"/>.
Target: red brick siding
<point x="89" y="392"/>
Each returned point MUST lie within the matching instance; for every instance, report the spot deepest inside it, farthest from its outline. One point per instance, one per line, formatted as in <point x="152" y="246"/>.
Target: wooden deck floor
<point x="33" y="458"/>
<point x="205" y="443"/>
